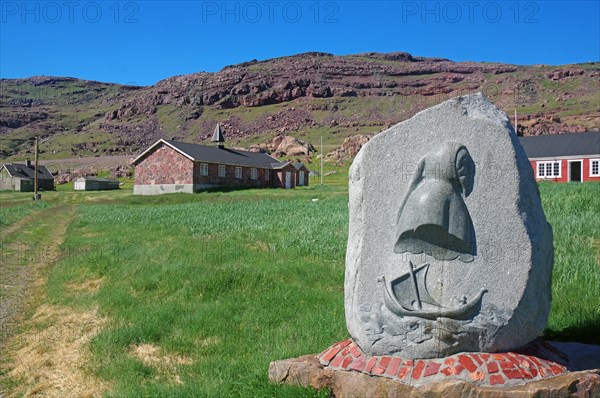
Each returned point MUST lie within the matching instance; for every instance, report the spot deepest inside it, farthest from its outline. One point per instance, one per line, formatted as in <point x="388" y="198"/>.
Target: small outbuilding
<point x="95" y="184"/>
<point x="21" y="177"/>
<point x="302" y="174"/>
<point x="564" y="157"/>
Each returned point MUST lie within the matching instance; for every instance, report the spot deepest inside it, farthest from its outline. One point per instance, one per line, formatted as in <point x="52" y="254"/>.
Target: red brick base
<point x="484" y="369"/>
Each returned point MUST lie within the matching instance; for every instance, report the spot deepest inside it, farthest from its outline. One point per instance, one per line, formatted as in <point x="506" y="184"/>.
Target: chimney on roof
<point x="28" y="163"/>
<point x="218" y="138"/>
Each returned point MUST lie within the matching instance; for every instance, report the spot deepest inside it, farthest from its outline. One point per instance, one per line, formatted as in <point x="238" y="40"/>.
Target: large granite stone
<point x="448" y="249"/>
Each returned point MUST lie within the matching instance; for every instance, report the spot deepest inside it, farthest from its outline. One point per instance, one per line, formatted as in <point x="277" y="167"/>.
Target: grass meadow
<point x="573" y="210"/>
<point x="200" y="292"/>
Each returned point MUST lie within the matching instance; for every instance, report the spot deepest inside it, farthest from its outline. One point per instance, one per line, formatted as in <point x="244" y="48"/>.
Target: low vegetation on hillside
<point x="308" y="96"/>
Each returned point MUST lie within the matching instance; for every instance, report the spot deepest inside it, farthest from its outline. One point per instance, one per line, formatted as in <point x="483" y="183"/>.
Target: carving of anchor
<point x="407" y="295"/>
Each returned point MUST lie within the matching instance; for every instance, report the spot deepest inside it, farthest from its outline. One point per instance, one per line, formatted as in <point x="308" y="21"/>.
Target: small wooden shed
<point x="95" y="184"/>
<point x="21" y="177"/>
<point x="302" y="174"/>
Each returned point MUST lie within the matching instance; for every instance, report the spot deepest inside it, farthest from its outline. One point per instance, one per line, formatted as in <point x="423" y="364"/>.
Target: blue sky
<point x="142" y="42"/>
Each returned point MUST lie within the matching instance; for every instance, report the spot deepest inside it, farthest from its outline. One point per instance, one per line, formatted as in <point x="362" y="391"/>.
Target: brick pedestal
<point x="537" y="361"/>
<point x="537" y="370"/>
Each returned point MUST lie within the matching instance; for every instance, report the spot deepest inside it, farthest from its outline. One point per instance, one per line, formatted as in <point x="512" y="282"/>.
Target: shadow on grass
<point x="229" y="189"/>
<point x="586" y="332"/>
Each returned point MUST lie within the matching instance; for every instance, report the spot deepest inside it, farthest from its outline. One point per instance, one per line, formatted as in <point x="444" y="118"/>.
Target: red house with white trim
<point x="564" y="157"/>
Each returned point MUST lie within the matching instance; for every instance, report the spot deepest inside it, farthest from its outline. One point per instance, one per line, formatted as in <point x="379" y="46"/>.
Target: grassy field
<point x="573" y="210"/>
<point x="194" y="295"/>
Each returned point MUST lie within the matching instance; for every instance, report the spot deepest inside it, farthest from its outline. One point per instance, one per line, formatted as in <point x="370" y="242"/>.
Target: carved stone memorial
<point x="449" y="249"/>
<point x="448" y="269"/>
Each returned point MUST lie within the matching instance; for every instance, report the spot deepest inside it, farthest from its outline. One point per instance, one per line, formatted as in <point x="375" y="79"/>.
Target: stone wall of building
<point x="165" y="170"/>
<point x="230" y="180"/>
<point x="280" y="177"/>
<point x="164" y="166"/>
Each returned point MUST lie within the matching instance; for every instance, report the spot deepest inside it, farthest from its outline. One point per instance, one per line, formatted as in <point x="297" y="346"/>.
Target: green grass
<point x="170" y="118"/>
<point x="12" y="212"/>
<point x="573" y="211"/>
<point x="260" y="279"/>
<point x="231" y="281"/>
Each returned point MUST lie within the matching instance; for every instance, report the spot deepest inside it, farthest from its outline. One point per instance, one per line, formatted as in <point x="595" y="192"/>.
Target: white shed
<point x="95" y="184"/>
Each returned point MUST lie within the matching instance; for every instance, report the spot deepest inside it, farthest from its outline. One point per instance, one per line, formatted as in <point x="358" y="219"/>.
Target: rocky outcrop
<point x="291" y="146"/>
<point x="311" y="75"/>
<point x="546" y="123"/>
<point x="350" y="147"/>
<point x="562" y="73"/>
<point x="19" y="119"/>
<point x="64" y="178"/>
<point x="121" y="171"/>
<point x="284" y="145"/>
<point x="144" y="106"/>
<point x="346" y="95"/>
<point x="67" y="170"/>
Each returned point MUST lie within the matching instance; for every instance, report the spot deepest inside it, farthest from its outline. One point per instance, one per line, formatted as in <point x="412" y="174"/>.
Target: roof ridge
<point x="215" y="154"/>
<point x="558" y="145"/>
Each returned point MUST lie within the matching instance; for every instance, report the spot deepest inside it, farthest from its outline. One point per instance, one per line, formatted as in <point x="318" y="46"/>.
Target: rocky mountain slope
<point x="308" y="96"/>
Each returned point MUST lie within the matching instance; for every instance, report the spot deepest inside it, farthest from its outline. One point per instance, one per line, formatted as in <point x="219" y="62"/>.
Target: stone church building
<point x="171" y="166"/>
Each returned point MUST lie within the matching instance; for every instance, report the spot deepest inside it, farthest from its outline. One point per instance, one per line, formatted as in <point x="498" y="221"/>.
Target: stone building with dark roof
<point x="21" y="177"/>
<point x="171" y="166"/>
<point x="564" y="157"/>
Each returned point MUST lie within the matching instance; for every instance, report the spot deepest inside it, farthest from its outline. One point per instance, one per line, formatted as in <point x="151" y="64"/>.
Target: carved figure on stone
<point x="408" y="295"/>
<point x="453" y="258"/>
<point x="433" y="218"/>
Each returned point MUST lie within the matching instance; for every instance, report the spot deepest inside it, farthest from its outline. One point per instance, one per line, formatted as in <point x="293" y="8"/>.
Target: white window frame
<point x="543" y="165"/>
<point x="203" y="169"/>
<point x="267" y="175"/>
<point x="253" y="173"/>
<point x="222" y="170"/>
<point x="597" y="161"/>
<point x="238" y="173"/>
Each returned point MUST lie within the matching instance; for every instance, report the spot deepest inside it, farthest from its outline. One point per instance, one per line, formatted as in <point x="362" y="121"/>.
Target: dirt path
<point x="23" y="222"/>
<point x="25" y="246"/>
<point x="51" y="358"/>
<point x="44" y="347"/>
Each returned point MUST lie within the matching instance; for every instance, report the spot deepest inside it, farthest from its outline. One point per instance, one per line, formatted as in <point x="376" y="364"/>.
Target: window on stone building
<point x="222" y="170"/>
<point x="253" y="174"/>
<point x="203" y="169"/>
<point x="238" y="173"/>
